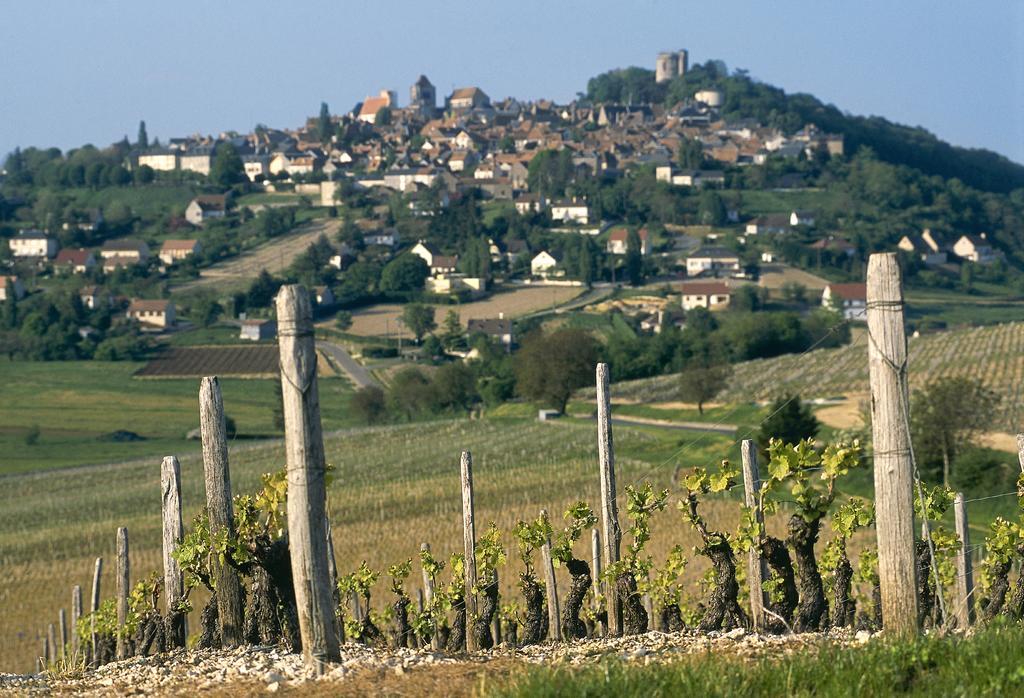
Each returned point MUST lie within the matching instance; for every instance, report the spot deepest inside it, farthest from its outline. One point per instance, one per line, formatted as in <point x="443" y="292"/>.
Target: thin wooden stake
<point x="609" y="505"/>
<point x="894" y="476"/>
<point x="757" y="569"/>
<point x="307" y="487"/>
<point x="496" y="618"/>
<point x="469" y="546"/>
<point x="595" y="550"/>
<point x="51" y="644"/>
<point x="123" y="580"/>
<point x="94" y="605"/>
<point x="62" y="620"/>
<point x="1020" y="451"/>
<point x="964" y="571"/>
<point x="213" y="430"/>
<point x="652" y="623"/>
<point x="173" y="533"/>
<point x="76" y="615"/>
<point x="554" y="614"/>
<point x="428" y="596"/>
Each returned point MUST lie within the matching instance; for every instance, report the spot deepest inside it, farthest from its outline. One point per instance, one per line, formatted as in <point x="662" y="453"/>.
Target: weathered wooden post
<point x="554" y="614"/>
<point x="652" y="622"/>
<point x="964" y="571"/>
<point x="173" y="533"/>
<point x="595" y="553"/>
<point x="76" y="615"/>
<point x="62" y="621"/>
<point x="890" y="417"/>
<point x="757" y="569"/>
<point x="609" y="505"/>
<point x="213" y="431"/>
<point x="307" y="487"/>
<point x="1020" y="451"/>
<point x="123" y="580"/>
<point x="94" y="605"/>
<point x="428" y="597"/>
<point x="469" y="546"/>
<point x="51" y="644"/>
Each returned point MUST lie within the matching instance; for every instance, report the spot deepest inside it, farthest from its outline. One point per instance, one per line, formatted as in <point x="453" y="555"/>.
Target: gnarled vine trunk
<point x="209" y="639"/>
<point x="402" y="636"/>
<point x="573" y="628"/>
<point x="671" y="618"/>
<point x="487" y="605"/>
<point x="812" y="610"/>
<point x="843" y="607"/>
<point x="149" y="634"/>
<point x="997" y="591"/>
<point x="457" y="635"/>
<point x="777" y="556"/>
<point x="634" y="615"/>
<point x="925" y="585"/>
<point x="535" y="624"/>
<point x="722" y="608"/>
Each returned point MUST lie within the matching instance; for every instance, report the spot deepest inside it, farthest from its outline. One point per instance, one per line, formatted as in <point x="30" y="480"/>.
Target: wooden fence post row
<point x="609" y="505"/>
<point x="307" y="486"/>
<point x="894" y="510"/>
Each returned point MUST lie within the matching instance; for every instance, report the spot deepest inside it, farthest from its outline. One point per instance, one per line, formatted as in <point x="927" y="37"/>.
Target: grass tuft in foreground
<point x="990" y="663"/>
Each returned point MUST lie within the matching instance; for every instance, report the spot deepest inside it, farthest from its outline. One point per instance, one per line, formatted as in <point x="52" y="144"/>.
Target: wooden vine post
<point x="894" y="474"/>
<point x="51" y="644"/>
<point x="757" y="569"/>
<point x="595" y="553"/>
<point x="554" y="614"/>
<point x="469" y="546"/>
<point x="1020" y="451"/>
<point x="609" y="506"/>
<point x="123" y="580"/>
<point x="964" y="570"/>
<point x="307" y="486"/>
<point x="76" y="615"/>
<point x="228" y="585"/>
<point x="428" y="598"/>
<point x="173" y="533"/>
<point x="94" y="605"/>
<point x="62" y="621"/>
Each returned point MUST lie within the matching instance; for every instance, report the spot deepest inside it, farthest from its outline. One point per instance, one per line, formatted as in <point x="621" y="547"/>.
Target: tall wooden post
<point x="964" y="571"/>
<point x="173" y="533"/>
<point x="123" y="580"/>
<point x="51" y="644"/>
<point x="76" y="615"/>
<point x="595" y="554"/>
<point x="307" y="488"/>
<point x="94" y="605"/>
<point x="757" y="569"/>
<point x="428" y="597"/>
<point x="469" y="546"/>
<point x="554" y="614"/>
<point x="894" y="476"/>
<point x="609" y="506"/>
<point x="62" y="621"/>
<point x="1020" y="451"/>
<point x="213" y="430"/>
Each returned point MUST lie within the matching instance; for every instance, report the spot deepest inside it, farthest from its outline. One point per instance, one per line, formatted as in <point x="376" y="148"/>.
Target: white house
<point x="711" y="261"/>
<point x="451" y="282"/>
<point x="206" y="207"/>
<point x="529" y="203"/>
<point x="162" y="159"/>
<point x="158" y="314"/>
<point x="499" y="328"/>
<point x="767" y="224"/>
<point x="385" y="237"/>
<point x="545" y="264"/>
<point x="976" y="248"/>
<point x="570" y="211"/>
<point x="801" y="217"/>
<point x="17" y="289"/>
<point x="176" y="250"/>
<point x="927" y="247"/>
<point x="706" y="294"/>
<point x="618" y="241"/>
<point x="257" y="330"/>
<point x="852" y="298"/>
<point x="197" y="160"/>
<point x="75" y="261"/>
<point x="33" y="243"/>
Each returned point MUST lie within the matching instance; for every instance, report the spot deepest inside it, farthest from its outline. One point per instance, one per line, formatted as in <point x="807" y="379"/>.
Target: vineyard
<point x="994" y="354"/>
<point x="260" y="361"/>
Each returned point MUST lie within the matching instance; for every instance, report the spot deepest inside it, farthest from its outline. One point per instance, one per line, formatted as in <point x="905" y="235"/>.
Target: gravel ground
<point x="257" y="670"/>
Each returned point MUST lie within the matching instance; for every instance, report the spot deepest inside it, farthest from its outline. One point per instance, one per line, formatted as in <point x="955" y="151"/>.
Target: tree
<point x="690" y="155"/>
<point x="227" y="168"/>
<point x="369" y="404"/>
<point x="343" y="320"/>
<point x="382" y="117"/>
<point x="550" y="171"/>
<point x="419" y="318"/>
<point x="324" y="123"/>
<point x="703" y="378"/>
<point x="404" y="274"/>
<point x="453" y="336"/>
<point x="634" y="258"/>
<point x="711" y="210"/>
<point x="262" y="290"/>
<point x="549" y="368"/>
<point x="788" y="419"/>
<point x="143" y="139"/>
<point x="947" y="416"/>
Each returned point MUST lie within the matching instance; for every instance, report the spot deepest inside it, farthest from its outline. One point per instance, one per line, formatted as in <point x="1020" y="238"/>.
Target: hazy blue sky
<point x="78" y="71"/>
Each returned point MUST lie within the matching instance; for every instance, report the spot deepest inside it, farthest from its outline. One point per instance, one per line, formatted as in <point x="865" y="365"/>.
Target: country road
<point x="352" y="368"/>
<point x="275" y="256"/>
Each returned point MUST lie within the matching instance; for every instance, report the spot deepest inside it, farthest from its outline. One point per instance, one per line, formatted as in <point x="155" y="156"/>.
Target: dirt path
<point x="274" y="256"/>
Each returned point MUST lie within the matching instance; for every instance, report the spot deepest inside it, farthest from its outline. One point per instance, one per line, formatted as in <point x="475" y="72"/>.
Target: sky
<point x="75" y="72"/>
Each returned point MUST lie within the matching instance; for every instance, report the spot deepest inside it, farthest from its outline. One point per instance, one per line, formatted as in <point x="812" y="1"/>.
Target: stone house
<point x="712" y="295"/>
<point x="33" y="243"/>
<point x="157" y="314"/>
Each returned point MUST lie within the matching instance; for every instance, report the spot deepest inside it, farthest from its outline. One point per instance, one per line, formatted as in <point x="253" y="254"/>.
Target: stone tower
<point x="423" y="96"/>
<point x="671" y="64"/>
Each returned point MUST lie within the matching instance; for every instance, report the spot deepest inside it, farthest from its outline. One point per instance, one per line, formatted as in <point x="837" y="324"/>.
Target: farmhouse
<point x="768" y="224"/>
<point x="499" y="328"/>
<point x="928" y="247"/>
<point x="851" y="299"/>
<point x="206" y="207"/>
<point x="976" y="248"/>
<point x="32" y="243"/>
<point x="74" y="261"/>
<point x="711" y="261"/>
<point x="152" y="314"/>
<point x="529" y="203"/>
<point x="176" y="250"/>
<point x="545" y="264"/>
<point x="618" y="241"/>
<point x="711" y="295"/>
<point x="258" y="330"/>
<point x="12" y="284"/>
<point x="570" y="211"/>
<point x="449" y="282"/>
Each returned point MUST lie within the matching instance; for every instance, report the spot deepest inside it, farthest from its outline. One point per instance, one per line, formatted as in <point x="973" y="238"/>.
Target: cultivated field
<point x="257" y="361"/>
<point x="383" y="319"/>
<point x="775" y="276"/>
<point x="994" y="354"/>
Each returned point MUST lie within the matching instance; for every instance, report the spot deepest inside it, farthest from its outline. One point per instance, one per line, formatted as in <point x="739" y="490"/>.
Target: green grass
<point x="150" y="201"/>
<point x="76" y="404"/>
<point x="281" y="198"/>
<point x="991" y="305"/>
<point x="990" y="663"/>
<point x="492" y="210"/>
<point x="759" y="202"/>
<point x="198" y="336"/>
